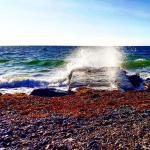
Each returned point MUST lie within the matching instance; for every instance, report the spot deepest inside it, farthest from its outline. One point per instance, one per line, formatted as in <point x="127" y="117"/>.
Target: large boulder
<point x="136" y="80"/>
<point x="48" y="92"/>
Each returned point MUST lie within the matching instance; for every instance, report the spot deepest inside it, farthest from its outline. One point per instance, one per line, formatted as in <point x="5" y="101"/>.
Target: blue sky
<point x="74" y="22"/>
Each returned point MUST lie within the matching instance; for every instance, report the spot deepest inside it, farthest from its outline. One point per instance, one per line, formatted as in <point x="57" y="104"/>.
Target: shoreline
<point x="70" y="102"/>
<point x="86" y="119"/>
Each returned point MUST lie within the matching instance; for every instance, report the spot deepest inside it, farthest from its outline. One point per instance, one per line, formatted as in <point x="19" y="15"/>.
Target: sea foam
<point x="92" y="57"/>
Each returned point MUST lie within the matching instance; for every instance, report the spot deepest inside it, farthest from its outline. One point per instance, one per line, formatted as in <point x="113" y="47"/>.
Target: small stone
<point x="89" y="130"/>
<point x="47" y="147"/>
<point x="23" y="135"/>
<point x="138" y="146"/>
<point x="95" y="96"/>
<point x="93" y="145"/>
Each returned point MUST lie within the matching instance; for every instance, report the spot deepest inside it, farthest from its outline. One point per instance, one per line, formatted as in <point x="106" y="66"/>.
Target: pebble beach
<point x="87" y="119"/>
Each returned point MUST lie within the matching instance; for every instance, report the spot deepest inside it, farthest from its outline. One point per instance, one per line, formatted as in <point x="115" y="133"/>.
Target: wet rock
<point x="51" y="92"/>
<point x="136" y="80"/>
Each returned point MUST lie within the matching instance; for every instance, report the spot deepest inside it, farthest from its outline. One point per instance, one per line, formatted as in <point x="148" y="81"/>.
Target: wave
<point x="133" y="56"/>
<point x="27" y="83"/>
<point x="4" y="60"/>
<point x="45" y="63"/>
<point x="36" y="62"/>
<point x="136" y="64"/>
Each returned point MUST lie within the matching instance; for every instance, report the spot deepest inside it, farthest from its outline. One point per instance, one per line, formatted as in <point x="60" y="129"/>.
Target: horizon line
<point x="67" y="45"/>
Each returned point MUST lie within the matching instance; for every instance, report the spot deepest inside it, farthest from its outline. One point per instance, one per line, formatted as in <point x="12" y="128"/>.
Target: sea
<point x="24" y="68"/>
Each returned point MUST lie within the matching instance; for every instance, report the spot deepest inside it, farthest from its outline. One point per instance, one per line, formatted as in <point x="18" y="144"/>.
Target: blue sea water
<point x="28" y="67"/>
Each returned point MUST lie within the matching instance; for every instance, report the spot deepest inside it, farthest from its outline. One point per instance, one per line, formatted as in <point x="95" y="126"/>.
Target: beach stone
<point x="95" y="96"/>
<point x="48" y="92"/>
<point x="9" y="132"/>
<point x="63" y="147"/>
<point x="92" y="145"/>
<point x="147" y="81"/>
<point x="148" y="88"/>
<point x="43" y="142"/>
<point x="23" y="135"/>
<point x="136" y="80"/>
<point x="89" y="129"/>
<point x="138" y="146"/>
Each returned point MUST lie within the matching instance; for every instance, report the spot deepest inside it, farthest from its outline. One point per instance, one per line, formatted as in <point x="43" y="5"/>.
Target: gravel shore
<point x="95" y="120"/>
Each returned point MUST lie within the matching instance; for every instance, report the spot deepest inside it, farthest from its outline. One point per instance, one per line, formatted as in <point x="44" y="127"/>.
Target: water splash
<point x="94" y="57"/>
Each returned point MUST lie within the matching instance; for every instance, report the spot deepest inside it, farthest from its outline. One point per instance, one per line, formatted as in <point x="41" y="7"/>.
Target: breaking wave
<point x="4" y="60"/>
<point x="45" y="63"/>
<point x="27" y="83"/>
<point x="136" y="64"/>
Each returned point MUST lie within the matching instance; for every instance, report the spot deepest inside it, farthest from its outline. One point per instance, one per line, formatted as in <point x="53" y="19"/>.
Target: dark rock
<point x="1" y="94"/>
<point x="138" y="146"/>
<point x="51" y="92"/>
<point x="63" y="147"/>
<point x="23" y="135"/>
<point x="95" y="96"/>
<point x="43" y="142"/>
<point x="7" y="141"/>
<point x="136" y="80"/>
<point x="93" y="145"/>
<point x="89" y="130"/>
<point x="9" y="133"/>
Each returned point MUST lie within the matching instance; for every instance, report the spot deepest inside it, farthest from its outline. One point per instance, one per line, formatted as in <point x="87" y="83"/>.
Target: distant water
<point x="25" y="68"/>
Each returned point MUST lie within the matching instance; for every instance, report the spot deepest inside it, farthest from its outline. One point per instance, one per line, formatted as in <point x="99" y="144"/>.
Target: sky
<point x="75" y="22"/>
